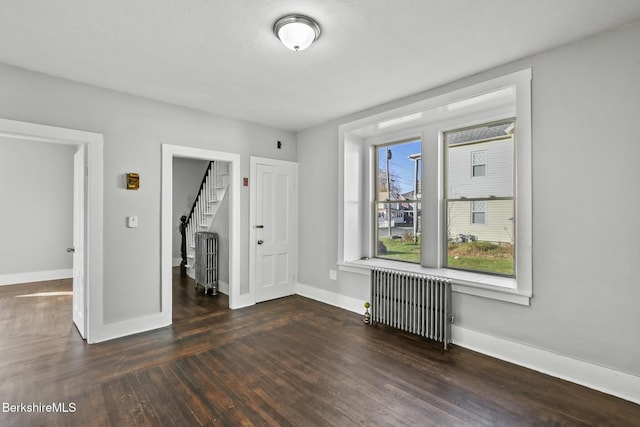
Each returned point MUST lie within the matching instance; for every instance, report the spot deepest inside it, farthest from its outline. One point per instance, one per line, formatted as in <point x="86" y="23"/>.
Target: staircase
<point x="203" y="212"/>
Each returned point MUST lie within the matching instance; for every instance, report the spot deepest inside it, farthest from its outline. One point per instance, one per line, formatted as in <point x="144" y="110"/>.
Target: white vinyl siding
<point x="498" y="181"/>
<point x="499" y="221"/>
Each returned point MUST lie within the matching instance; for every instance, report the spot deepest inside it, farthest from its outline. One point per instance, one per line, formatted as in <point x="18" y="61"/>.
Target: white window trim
<point x="355" y="193"/>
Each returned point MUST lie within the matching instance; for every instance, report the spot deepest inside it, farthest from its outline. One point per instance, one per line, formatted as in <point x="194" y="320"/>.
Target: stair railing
<point x="195" y="202"/>
<point x="187" y="222"/>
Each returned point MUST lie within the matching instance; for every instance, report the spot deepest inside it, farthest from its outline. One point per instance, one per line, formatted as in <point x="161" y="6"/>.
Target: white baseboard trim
<point x="241" y="301"/>
<point x="36" y="276"/>
<point x="223" y="287"/>
<point x="347" y="303"/>
<point x="115" y="330"/>
<point x="606" y="380"/>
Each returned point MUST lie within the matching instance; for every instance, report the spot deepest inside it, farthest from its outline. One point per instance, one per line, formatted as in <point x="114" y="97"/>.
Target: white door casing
<point x="93" y="208"/>
<point x="79" y="283"/>
<point x="274" y="228"/>
<point x="236" y="298"/>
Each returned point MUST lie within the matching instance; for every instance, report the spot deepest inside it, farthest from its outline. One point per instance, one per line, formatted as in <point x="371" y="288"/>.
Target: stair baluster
<point x="211" y="191"/>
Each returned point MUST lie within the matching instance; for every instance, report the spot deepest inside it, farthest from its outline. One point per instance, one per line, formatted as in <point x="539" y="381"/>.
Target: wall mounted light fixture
<point x="296" y="32"/>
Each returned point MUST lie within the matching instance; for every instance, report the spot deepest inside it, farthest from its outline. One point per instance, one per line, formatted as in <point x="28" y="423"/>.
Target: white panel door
<point x="79" y="285"/>
<point x="276" y="240"/>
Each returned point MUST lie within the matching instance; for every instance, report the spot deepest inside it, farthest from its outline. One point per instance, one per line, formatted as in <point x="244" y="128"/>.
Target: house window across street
<point x="479" y="163"/>
<point x="478" y="212"/>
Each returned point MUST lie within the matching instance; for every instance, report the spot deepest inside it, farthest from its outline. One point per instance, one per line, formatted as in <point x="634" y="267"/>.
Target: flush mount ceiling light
<point x="296" y="32"/>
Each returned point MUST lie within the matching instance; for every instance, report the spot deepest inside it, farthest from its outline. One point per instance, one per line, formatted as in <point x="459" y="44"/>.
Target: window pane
<point x="479" y="163"/>
<point x="478" y="217"/>
<point x="398" y="239"/>
<point x="397" y="206"/>
<point x="485" y="246"/>
<point x="473" y="153"/>
<point x="400" y="170"/>
<point x="480" y="212"/>
<point x="480" y="170"/>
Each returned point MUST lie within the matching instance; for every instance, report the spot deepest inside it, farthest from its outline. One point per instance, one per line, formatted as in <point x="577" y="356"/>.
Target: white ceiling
<point x="222" y="57"/>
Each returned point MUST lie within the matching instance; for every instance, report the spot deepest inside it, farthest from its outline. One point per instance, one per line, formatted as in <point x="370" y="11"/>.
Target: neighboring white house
<point x="479" y="183"/>
<point x="401" y="210"/>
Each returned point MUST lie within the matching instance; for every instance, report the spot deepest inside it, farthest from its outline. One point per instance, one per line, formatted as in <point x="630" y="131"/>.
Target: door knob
<point x="260" y="242"/>
<point x="71" y="249"/>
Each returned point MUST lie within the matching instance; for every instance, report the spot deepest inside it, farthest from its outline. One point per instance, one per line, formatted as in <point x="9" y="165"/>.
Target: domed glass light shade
<point x="296" y="32"/>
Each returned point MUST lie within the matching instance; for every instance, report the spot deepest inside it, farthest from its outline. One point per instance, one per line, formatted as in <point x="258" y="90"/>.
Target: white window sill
<point x="464" y="282"/>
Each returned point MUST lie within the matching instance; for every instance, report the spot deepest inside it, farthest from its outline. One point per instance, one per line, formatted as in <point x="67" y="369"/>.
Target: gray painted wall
<point x="134" y="129"/>
<point x="36" y="218"/>
<point x="586" y="105"/>
<point x="187" y="176"/>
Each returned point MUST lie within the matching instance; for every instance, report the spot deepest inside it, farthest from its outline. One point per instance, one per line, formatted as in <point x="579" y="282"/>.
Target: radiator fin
<point x="412" y="302"/>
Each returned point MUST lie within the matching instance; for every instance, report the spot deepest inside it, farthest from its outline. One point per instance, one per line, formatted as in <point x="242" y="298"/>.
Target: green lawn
<point x="399" y="250"/>
<point x="479" y="256"/>
<point x="490" y="265"/>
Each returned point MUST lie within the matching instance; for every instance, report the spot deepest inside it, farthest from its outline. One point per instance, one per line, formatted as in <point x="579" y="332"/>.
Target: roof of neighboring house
<point x="474" y="134"/>
<point x="478" y="134"/>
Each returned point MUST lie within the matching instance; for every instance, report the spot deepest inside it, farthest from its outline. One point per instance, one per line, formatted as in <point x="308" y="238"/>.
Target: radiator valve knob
<point x="367" y="317"/>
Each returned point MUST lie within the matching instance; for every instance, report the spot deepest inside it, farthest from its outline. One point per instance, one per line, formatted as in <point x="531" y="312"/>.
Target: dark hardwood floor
<point x="288" y="362"/>
<point x="189" y="301"/>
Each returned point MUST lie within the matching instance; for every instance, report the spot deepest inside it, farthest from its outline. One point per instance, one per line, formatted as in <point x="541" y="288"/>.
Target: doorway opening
<point x="169" y="153"/>
<point x="200" y="261"/>
<point x="87" y="268"/>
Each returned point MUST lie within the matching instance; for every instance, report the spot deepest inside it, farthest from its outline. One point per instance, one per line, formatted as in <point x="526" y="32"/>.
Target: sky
<point x="402" y="168"/>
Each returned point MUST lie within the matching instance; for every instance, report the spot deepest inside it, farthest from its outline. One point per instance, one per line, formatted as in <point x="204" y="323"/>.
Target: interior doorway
<point x="201" y="199"/>
<point x="169" y="152"/>
<point x="87" y="292"/>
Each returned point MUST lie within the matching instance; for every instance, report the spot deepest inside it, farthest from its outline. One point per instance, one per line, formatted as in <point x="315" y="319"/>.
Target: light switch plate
<point x="132" y="221"/>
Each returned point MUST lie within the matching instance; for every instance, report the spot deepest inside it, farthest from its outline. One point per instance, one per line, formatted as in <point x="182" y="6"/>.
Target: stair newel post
<point x="190" y="237"/>
<point x="183" y="246"/>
